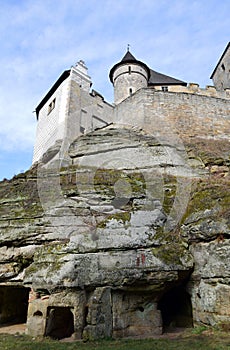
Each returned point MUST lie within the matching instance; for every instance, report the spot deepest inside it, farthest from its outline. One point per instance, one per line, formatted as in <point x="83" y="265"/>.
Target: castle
<point x="71" y="108"/>
<point x="121" y="226"/>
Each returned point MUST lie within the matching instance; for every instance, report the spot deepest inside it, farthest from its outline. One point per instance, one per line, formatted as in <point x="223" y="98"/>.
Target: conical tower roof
<point x="154" y="78"/>
<point x="128" y="58"/>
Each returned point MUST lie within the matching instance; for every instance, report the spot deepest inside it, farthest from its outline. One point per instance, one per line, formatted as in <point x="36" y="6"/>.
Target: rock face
<point x="122" y="237"/>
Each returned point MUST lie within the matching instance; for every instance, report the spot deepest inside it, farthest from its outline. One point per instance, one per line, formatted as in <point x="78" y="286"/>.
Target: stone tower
<point x="128" y="76"/>
<point x="221" y="73"/>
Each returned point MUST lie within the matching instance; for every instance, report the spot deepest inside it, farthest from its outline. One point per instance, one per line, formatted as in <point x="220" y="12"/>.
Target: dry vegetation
<point x="201" y="338"/>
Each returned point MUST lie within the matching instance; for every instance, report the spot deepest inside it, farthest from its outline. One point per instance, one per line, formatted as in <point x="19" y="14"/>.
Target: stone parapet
<point x="194" y="88"/>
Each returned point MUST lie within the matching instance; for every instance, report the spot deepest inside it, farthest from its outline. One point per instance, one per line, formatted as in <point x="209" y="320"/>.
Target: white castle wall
<point x="50" y="126"/>
<point x="76" y="112"/>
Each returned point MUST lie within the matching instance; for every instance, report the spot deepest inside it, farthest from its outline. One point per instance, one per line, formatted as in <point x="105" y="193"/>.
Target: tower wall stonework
<point x="127" y="80"/>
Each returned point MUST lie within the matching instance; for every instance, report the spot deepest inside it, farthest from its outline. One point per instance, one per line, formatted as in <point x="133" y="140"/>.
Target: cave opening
<point x="60" y="322"/>
<point x="176" y="309"/>
<point x="13" y="304"/>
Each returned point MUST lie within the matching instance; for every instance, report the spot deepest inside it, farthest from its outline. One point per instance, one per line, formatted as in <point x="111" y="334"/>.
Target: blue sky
<point x="41" y="38"/>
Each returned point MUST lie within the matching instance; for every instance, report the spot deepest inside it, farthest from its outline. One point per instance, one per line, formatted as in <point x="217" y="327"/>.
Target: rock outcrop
<point x="123" y="236"/>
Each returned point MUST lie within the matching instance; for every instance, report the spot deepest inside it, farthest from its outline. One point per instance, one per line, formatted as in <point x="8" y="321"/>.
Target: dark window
<point x="13" y="304"/>
<point x="129" y="70"/>
<point x="130" y="91"/>
<point x="222" y="66"/>
<point x="164" y="88"/>
<point x="60" y="322"/>
<point x="51" y="105"/>
<point x="82" y="129"/>
<point x="176" y="308"/>
<point x="38" y="313"/>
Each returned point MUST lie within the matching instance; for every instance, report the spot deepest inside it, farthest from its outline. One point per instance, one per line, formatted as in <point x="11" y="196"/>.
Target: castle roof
<point x="222" y="56"/>
<point x="154" y="78"/>
<point x="128" y="58"/>
<point x="157" y="78"/>
<point x="64" y="75"/>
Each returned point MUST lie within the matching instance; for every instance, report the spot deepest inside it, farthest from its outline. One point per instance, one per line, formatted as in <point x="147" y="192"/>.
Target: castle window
<point x="129" y="70"/>
<point x="83" y="121"/>
<point x="223" y="67"/>
<point x="130" y="91"/>
<point x="164" y="88"/>
<point x="82" y="129"/>
<point x="51" y="105"/>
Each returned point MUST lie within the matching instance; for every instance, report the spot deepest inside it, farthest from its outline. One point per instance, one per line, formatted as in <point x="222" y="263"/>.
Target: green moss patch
<point x="210" y="193"/>
<point x="123" y="217"/>
<point x="105" y="182"/>
<point x="210" y="151"/>
<point x="172" y="248"/>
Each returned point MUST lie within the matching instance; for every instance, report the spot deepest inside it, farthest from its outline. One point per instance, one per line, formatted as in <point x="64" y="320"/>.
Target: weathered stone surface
<point x="99" y="315"/>
<point x="109" y="235"/>
<point x="135" y="315"/>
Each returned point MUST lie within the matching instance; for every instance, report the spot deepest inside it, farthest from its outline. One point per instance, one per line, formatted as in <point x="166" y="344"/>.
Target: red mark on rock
<point x="143" y="259"/>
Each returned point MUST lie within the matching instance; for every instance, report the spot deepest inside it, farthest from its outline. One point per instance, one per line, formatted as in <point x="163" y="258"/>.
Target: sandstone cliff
<point x="119" y="230"/>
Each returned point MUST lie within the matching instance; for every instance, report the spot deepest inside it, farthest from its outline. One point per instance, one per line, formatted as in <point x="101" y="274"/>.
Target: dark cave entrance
<point x="13" y="304"/>
<point x="176" y="309"/>
<point x="60" y="322"/>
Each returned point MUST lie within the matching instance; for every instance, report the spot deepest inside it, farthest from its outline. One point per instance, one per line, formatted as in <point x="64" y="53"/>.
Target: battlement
<point x="194" y="88"/>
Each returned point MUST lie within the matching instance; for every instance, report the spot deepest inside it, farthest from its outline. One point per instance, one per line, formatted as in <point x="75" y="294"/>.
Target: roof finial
<point x="128" y="46"/>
